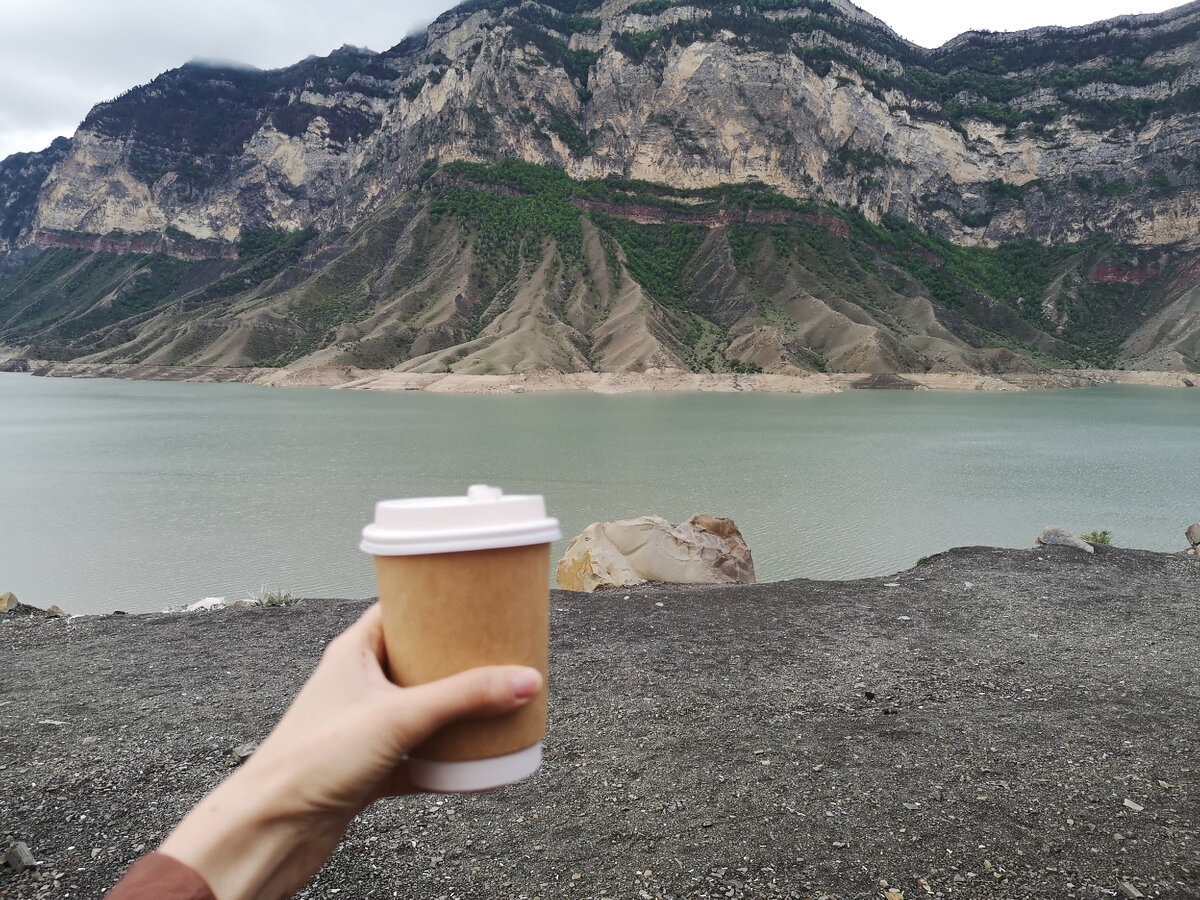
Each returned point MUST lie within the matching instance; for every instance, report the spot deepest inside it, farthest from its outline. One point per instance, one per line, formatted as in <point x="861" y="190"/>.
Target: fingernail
<point x="525" y="682"/>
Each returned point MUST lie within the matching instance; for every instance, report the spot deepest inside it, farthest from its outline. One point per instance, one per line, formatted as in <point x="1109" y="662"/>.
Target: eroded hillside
<point x="516" y="267"/>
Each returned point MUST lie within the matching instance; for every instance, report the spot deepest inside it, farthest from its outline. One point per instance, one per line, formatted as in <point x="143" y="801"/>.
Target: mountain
<point x="772" y="185"/>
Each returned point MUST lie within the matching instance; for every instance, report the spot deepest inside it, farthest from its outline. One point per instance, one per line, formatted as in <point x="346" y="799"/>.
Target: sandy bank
<point x="351" y="378"/>
<point x="344" y="378"/>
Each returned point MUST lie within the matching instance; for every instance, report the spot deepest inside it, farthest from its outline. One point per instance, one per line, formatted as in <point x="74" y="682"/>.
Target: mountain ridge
<point x="685" y="166"/>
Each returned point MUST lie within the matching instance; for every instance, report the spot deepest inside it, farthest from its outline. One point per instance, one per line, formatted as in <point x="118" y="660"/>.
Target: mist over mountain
<point x="776" y="185"/>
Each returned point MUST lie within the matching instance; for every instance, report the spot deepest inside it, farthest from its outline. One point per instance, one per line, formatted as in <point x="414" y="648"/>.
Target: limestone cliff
<point x="21" y="178"/>
<point x="782" y="185"/>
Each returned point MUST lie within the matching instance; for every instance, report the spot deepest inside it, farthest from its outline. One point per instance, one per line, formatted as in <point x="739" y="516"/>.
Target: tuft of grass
<point x="922" y="560"/>
<point x="1098" y="537"/>
<point x="273" y="597"/>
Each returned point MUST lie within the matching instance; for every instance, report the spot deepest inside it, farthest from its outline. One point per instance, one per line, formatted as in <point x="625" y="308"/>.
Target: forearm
<point x="269" y="827"/>
<point x="243" y="839"/>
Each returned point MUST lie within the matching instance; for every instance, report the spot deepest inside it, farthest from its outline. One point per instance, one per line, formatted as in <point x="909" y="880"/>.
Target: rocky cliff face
<point x="21" y="178"/>
<point x="1005" y="201"/>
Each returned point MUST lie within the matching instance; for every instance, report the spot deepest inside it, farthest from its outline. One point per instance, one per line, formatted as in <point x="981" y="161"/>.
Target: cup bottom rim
<point x="466" y="776"/>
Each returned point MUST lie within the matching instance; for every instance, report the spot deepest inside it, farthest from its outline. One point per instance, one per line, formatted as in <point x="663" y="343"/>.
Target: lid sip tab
<point x="485" y="519"/>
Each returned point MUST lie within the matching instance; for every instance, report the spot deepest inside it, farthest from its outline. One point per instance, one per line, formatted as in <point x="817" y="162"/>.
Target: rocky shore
<point x="991" y="723"/>
<point x="351" y="378"/>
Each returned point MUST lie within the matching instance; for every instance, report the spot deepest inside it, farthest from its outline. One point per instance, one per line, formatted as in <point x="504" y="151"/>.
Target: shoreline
<point x="351" y="378"/>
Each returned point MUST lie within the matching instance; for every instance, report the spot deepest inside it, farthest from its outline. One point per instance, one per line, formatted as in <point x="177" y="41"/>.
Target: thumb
<point x="475" y="693"/>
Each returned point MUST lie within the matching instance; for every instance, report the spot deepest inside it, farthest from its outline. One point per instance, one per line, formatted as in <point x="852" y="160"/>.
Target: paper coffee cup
<point x="465" y="582"/>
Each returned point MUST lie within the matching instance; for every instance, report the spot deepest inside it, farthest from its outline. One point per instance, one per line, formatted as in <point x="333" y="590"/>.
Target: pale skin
<point x="267" y="829"/>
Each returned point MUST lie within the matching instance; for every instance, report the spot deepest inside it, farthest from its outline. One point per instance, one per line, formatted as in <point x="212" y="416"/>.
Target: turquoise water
<point x="141" y="495"/>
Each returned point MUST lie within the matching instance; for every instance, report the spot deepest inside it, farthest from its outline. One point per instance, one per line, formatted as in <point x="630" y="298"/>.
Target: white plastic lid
<point x="474" y="775"/>
<point x="485" y="519"/>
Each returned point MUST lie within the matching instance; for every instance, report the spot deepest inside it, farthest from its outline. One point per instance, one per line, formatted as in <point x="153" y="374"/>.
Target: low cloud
<point x="62" y="57"/>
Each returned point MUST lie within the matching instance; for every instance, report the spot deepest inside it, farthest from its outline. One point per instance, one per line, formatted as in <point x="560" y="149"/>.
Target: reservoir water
<point x="143" y="495"/>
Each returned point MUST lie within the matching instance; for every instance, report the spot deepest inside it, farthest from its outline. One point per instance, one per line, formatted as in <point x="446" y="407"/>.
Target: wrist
<point x="239" y="838"/>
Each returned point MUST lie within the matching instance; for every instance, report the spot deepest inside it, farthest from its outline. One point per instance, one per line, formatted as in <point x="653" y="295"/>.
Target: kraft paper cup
<point x="465" y="582"/>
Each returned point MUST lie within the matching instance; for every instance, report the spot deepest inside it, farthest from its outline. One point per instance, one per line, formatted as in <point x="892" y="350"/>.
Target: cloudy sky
<point x="60" y="57"/>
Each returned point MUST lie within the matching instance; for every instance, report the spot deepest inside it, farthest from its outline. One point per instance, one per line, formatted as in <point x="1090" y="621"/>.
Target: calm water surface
<point x="141" y="495"/>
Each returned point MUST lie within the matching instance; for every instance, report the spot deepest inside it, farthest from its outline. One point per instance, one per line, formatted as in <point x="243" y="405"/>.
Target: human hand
<point x="341" y="745"/>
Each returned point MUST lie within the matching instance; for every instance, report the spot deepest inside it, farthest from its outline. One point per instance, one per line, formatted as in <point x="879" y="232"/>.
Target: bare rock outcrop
<point x="702" y="550"/>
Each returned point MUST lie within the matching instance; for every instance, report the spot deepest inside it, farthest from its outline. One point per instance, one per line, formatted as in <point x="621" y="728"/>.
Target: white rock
<point x="206" y="603"/>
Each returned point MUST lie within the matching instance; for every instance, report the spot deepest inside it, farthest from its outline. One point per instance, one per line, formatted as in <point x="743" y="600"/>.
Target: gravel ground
<point x="992" y="723"/>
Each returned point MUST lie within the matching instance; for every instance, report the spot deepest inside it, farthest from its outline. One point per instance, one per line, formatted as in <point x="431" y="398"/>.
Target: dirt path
<point x="993" y="723"/>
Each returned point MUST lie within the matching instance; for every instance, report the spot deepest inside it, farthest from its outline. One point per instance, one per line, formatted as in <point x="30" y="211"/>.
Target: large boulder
<point x="1193" y="535"/>
<point x="703" y="550"/>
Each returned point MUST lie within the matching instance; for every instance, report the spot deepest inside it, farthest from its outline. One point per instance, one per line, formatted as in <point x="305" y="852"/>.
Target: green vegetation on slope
<point x="507" y="228"/>
<point x="64" y="299"/>
<point x="963" y="280"/>
<point x="264" y="255"/>
<point x="1018" y="274"/>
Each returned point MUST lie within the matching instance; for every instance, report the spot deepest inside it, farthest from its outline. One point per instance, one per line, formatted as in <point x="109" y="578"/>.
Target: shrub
<point x="1098" y="537"/>
<point x="273" y="597"/>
